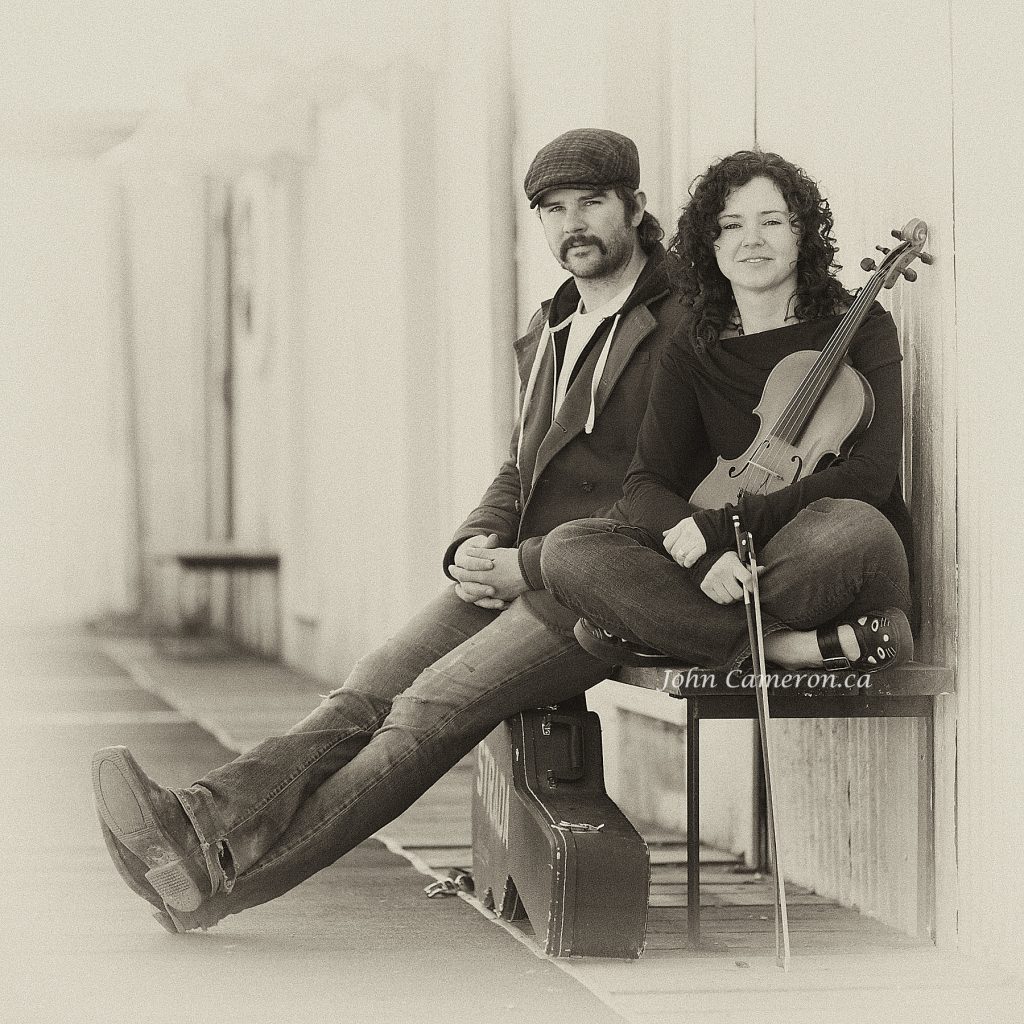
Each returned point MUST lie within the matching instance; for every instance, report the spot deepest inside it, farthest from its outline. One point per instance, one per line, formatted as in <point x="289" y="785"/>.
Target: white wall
<point x="164" y="231"/>
<point x="338" y="413"/>
<point x="987" y="43"/>
<point x="64" y="543"/>
<point x="380" y="405"/>
<point x="358" y="509"/>
<point x="99" y="55"/>
<point x="477" y="198"/>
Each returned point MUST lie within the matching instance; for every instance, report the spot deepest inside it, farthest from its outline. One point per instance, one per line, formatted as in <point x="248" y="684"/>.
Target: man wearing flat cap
<point x="493" y="643"/>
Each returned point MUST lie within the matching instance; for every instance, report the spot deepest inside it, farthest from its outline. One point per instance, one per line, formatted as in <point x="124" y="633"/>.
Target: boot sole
<point x="123" y="806"/>
<point x="617" y="652"/>
<point x="134" y="878"/>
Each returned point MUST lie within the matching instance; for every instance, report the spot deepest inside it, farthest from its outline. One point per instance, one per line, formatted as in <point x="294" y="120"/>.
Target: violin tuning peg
<point x="909" y="274"/>
<point x="926" y="258"/>
<point x="897" y="234"/>
<point x="868" y="264"/>
<point x="882" y="248"/>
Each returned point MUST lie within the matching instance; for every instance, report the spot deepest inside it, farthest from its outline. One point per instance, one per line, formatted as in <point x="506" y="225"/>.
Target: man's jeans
<point x="407" y="713"/>
<point x="836" y="558"/>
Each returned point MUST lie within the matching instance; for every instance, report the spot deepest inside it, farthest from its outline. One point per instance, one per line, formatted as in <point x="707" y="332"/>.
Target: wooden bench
<point x="909" y="691"/>
<point x="207" y="559"/>
<point x="507" y="859"/>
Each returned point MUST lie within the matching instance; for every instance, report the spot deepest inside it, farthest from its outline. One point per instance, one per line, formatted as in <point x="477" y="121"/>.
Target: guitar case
<point x="548" y="842"/>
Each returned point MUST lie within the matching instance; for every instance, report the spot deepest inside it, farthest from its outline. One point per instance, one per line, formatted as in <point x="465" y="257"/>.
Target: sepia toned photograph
<point x="511" y="512"/>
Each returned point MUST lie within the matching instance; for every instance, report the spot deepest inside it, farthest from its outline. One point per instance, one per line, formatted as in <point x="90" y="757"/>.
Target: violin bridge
<point x="765" y="469"/>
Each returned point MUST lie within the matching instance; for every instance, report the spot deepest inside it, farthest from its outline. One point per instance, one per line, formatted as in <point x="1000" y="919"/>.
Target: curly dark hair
<point x="818" y="292"/>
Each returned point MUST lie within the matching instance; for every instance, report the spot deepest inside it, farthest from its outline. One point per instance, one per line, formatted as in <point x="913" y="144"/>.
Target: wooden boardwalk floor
<point x="737" y="912"/>
<point x="845" y="966"/>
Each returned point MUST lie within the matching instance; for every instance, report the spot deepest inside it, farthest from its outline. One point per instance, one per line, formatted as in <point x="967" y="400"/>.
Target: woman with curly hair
<point x="661" y="579"/>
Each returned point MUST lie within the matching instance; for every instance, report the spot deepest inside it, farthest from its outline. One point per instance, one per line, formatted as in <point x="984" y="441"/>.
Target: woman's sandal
<point x="884" y="639"/>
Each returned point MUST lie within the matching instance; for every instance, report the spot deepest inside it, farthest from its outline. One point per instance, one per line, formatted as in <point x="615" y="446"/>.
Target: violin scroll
<point x="913" y="236"/>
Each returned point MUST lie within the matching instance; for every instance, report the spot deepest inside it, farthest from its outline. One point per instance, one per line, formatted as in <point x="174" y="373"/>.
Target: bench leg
<point x="926" y="825"/>
<point x="195" y="602"/>
<point x="277" y="626"/>
<point x="693" y="821"/>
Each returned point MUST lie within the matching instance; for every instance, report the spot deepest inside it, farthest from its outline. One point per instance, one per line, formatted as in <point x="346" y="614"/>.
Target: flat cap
<point x="583" y="158"/>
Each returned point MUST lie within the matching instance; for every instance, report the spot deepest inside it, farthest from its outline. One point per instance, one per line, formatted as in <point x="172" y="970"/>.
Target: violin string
<point x="770" y="461"/>
<point x="811" y="388"/>
<point x="813" y="385"/>
<point x="808" y="393"/>
<point x="821" y="368"/>
<point x="821" y="371"/>
<point x="784" y="428"/>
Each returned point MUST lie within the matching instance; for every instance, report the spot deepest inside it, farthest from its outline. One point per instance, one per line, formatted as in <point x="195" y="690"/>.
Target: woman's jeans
<point x="408" y="712"/>
<point x="838" y="557"/>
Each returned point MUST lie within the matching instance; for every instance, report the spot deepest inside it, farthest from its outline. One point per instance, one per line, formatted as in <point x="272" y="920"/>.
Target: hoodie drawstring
<point x="531" y="383"/>
<point x="598" y="373"/>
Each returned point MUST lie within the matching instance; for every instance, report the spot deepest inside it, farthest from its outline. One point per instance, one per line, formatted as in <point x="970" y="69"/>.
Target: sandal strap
<point x="831" y="649"/>
<point x="878" y="640"/>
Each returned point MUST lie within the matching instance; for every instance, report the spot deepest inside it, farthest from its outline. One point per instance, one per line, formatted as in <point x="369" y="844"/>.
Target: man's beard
<point x="613" y="256"/>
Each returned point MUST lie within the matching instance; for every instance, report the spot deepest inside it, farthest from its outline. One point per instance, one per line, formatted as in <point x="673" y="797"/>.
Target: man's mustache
<point x="583" y="240"/>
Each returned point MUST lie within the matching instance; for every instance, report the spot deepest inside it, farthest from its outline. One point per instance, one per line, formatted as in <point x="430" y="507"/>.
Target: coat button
<point x="587" y="486"/>
<point x="518" y="506"/>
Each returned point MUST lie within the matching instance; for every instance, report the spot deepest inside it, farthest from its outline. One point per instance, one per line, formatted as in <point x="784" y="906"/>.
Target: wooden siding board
<point x="987" y="96"/>
<point x="867" y="850"/>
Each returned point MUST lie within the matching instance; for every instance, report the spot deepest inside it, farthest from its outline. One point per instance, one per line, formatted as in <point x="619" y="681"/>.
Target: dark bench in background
<point x="243" y="568"/>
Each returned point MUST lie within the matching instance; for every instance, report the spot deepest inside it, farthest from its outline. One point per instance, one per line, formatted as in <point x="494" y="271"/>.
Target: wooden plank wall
<point x="864" y="106"/>
<point x="987" y="43"/>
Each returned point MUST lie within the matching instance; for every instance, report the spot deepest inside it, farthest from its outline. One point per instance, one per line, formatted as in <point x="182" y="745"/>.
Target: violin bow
<point x="755" y="632"/>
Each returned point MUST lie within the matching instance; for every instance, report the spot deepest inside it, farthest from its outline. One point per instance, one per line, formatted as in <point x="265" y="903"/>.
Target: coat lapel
<point x="635" y="326"/>
<point x="572" y="416"/>
<point x="538" y="416"/>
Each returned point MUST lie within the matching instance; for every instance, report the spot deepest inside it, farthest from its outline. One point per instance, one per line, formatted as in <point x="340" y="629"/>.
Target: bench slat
<point x="223" y="557"/>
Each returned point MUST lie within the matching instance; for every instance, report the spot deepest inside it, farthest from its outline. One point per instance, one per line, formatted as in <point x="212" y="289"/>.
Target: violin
<point x="814" y="406"/>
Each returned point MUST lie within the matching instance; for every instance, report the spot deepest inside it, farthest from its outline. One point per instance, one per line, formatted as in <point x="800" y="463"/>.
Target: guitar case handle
<point x="577" y="767"/>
